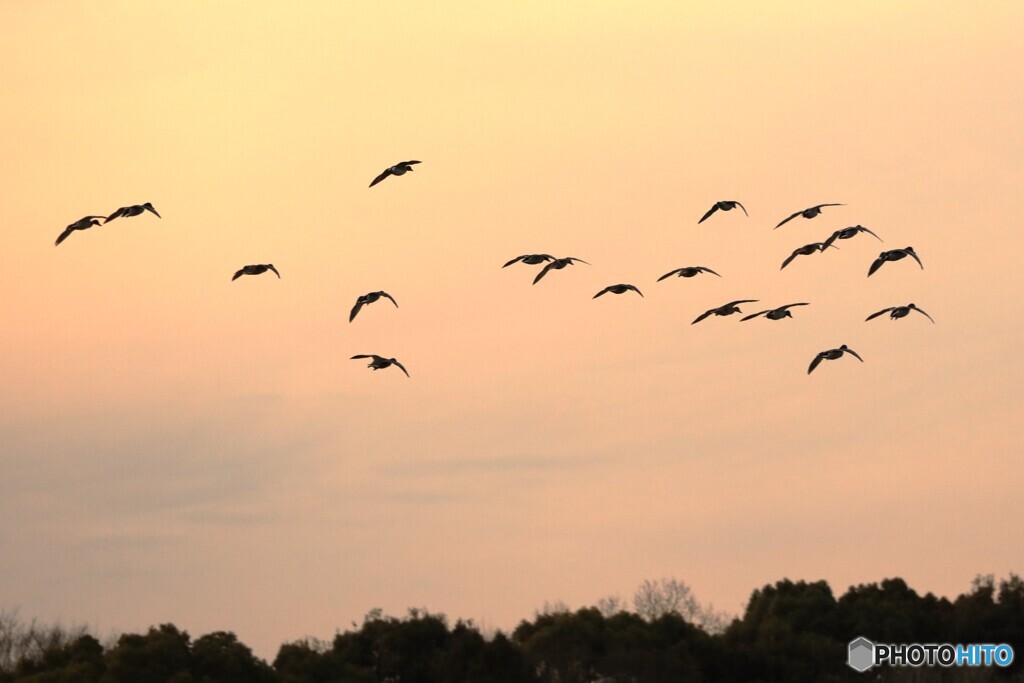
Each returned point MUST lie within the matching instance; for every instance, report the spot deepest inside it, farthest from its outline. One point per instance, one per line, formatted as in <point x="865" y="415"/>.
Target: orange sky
<point x="178" y="447"/>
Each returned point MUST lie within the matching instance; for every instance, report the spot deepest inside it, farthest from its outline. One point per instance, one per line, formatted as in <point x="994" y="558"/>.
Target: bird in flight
<point x="689" y="271"/>
<point x="369" y="299"/>
<point x="775" y="313"/>
<point x="398" y="169"/>
<point x="894" y="255"/>
<point x="530" y="259"/>
<point x="897" y="312"/>
<point x="722" y="206"/>
<point x="80" y="224"/>
<point x="127" y="211"/>
<point x="256" y="270"/>
<point x="832" y="354"/>
<point x="847" y="233"/>
<point x="806" y="213"/>
<point x="805" y="250"/>
<point x="379" y="362"/>
<point x="618" y="289"/>
<point x="557" y="264"/>
<point x="727" y="309"/>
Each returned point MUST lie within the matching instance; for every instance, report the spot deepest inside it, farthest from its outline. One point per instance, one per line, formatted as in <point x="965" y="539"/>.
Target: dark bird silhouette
<point x="256" y="270"/>
<point x="847" y="233"/>
<point x="80" y="224"/>
<point x="557" y="264"/>
<point x="806" y="213"/>
<point x="832" y="354"/>
<point x="722" y="206"/>
<point x="530" y="259"/>
<point x="689" y="271"/>
<point x="618" y="289"/>
<point x="127" y="211"/>
<point x="894" y="255"/>
<point x="398" y="169"/>
<point x="897" y="312"/>
<point x="775" y="313"/>
<point x="369" y="299"/>
<point x="727" y="309"/>
<point x="805" y="250"/>
<point x="379" y="362"/>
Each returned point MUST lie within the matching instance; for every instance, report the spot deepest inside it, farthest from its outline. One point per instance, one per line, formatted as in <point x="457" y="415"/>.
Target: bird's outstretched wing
<point x="752" y="315"/>
<point x="238" y="273"/>
<point x="355" y="309"/>
<point x="708" y="214"/>
<point x="381" y="177"/>
<point x="875" y="266"/>
<point x="515" y="260"/>
<point x="741" y="301"/>
<point x="707" y="270"/>
<point x="603" y="291"/>
<point x="802" y="303"/>
<point x="787" y="220"/>
<point x="275" y="271"/>
<point x="910" y="250"/>
<point x="116" y="214"/>
<point x="789" y="259"/>
<point x="365" y="355"/>
<point x="64" y="235"/>
<point x="667" y="275"/>
<point x="831" y="238"/>
<point x="854" y="354"/>
<point x="861" y="228"/>
<point x="410" y="163"/>
<point x="819" y="206"/>
<point x="633" y="287"/>
<point x="881" y="312"/>
<point x="924" y="314"/>
<point x="543" y="272"/>
<point x="152" y="210"/>
<point x="391" y="298"/>
<point x="814" y="363"/>
<point x="573" y="258"/>
<point x="395" y="362"/>
<point x="703" y="315"/>
<point x="742" y="207"/>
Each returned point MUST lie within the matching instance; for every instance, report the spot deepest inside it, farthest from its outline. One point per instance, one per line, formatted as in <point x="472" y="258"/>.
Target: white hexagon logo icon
<point x="861" y="655"/>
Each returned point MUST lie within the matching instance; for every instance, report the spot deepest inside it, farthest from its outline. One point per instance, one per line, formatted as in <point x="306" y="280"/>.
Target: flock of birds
<point x="552" y="263"/>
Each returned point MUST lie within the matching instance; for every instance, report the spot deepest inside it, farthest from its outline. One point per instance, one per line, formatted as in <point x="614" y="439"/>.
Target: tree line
<point x="789" y="631"/>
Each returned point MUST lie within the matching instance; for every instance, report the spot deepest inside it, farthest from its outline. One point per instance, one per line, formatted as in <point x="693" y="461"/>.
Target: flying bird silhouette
<point x="379" y="362"/>
<point x="727" y="309"/>
<point x="530" y="259"/>
<point x="618" y="289"/>
<point x="80" y="224"/>
<point x="893" y="255"/>
<point x="398" y="169"/>
<point x="847" y="233"/>
<point x="897" y="312"/>
<point x="256" y="270"/>
<point x="369" y="299"/>
<point x="557" y="264"/>
<point x="775" y="313"/>
<point x="722" y="206"/>
<point x="689" y="271"/>
<point x="832" y="354"/>
<point x="127" y="211"/>
<point x="806" y="213"/>
<point x="805" y="250"/>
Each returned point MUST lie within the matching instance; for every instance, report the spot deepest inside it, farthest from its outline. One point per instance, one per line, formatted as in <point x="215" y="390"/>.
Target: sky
<point x="178" y="447"/>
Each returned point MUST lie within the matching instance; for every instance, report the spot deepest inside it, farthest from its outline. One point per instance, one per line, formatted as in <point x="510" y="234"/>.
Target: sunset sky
<point x="177" y="447"/>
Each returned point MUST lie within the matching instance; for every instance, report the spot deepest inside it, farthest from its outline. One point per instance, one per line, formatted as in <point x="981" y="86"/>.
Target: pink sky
<point x="178" y="447"/>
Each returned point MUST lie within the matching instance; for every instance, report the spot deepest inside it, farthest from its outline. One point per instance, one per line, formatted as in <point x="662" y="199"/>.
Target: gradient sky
<point x="178" y="447"/>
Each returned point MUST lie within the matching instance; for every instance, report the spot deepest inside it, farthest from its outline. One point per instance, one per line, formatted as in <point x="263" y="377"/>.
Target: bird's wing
<point x="362" y="355"/>
<point x="238" y="274"/>
<point x="703" y="315"/>
<point x="863" y="229"/>
<point x="875" y="266"/>
<point x="752" y="315"/>
<point x="91" y="217"/>
<point x="63" y="236"/>
<point x="881" y="312"/>
<point x="633" y="287"/>
<point x="923" y="313"/>
<point x="787" y="220"/>
<point x="744" y="209"/>
<point x="603" y="291"/>
<point x="831" y="238"/>
<point x="410" y="163"/>
<point x="802" y="303"/>
<point x="741" y="301"/>
<point x="916" y="259"/>
<point x="707" y="270"/>
<point x="854" y="354"/>
<point x="381" y="177"/>
<point x="399" y="364"/>
<point x="789" y="259"/>
<point x="822" y="205"/>
<point x="517" y="258"/>
<point x="573" y="258"/>
<point x="355" y="309"/>
<point x="385" y="294"/>
<point x="275" y="271"/>
<point x="543" y="272"/>
<point x="669" y="274"/>
<point x="708" y="214"/>
<point x="814" y="363"/>
<point x="114" y="215"/>
<point x="151" y="209"/>
<point x="822" y="246"/>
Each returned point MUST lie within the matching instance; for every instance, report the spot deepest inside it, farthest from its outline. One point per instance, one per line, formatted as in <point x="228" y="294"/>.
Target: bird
<point x="775" y="313"/>
<point x="897" y="312"/>
<point x="806" y="213"/>
<point x="689" y="271"/>
<point x="847" y="233"/>
<point x="256" y="270"/>
<point x="722" y="206"/>
<point x="379" y="362"/>
<point x="618" y="289"/>
<point x="557" y="264"/>
<point x="369" y="299"/>
<point x="893" y="255"/>
<point x="832" y="354"/>
<point x="398" y="169"/>
<point x="530" y="259"/>
<point x="727" y="309"/>
<point x="805" y="250"/>
<point x="127" y="211"/>
<point x="80" y="224"/>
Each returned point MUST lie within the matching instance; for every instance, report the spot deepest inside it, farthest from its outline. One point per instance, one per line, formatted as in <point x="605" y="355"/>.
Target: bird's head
<point x="843" y="347"/>
<point x="787" y="313"/>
